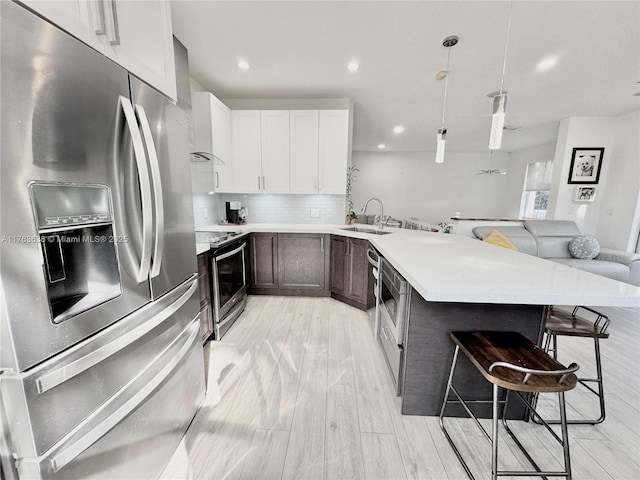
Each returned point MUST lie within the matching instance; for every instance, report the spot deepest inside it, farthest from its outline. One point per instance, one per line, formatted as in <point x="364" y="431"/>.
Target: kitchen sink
<point x="366" y="230"/>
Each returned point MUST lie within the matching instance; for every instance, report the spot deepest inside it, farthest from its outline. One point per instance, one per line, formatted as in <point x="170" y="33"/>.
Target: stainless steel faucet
<point x="380" y="220"/>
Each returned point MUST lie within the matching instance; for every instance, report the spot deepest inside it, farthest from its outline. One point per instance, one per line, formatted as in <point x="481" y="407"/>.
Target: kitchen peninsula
<point x="461" y="283"/>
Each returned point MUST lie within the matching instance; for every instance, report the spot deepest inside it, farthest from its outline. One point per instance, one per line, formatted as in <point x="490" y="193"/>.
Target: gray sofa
<point x="550" y="239"/>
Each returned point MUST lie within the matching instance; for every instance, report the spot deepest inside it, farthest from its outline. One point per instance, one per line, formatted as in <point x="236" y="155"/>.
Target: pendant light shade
<point x="500" y="99"/>
<point x="448" y="42"/>
<point x="440" y="141"/>
<point x="497" y="121"/>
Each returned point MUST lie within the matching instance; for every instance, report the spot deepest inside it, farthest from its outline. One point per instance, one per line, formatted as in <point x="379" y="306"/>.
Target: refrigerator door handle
<point x="158" y="201"/>
<point x="103" y="26"/>
<point x="145" y="187"/>
<point x="67" y="453"/>
<point x="57" y="377"/>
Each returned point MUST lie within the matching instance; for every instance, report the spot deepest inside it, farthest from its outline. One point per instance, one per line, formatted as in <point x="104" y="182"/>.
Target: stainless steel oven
<point x="229" y="284"/>
<point x="393" y="302"/>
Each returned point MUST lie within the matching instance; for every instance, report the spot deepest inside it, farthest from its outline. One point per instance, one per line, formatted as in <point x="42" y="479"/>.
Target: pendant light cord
<point x="506" y="47"/>
<point x="446" y="84"/>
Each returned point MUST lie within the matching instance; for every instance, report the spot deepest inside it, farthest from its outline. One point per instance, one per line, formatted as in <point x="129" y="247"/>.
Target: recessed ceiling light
<point x="243" y="65"/>
<point x="547" y="63"/>
<point x="353" y="66"/>
<point x="382" y="146"/>
<point x="398" y="129"/>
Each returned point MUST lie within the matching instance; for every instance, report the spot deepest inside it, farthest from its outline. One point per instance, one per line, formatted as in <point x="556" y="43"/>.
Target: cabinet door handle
<point x="264" y="184"/>
<point x="103" y="25"/>
<point x="116" y="28"/>
<point x="259" y="187"/>
<point x="322" y="244"/>
<point x="217" y="180"/>
<point x="348" y="242"/>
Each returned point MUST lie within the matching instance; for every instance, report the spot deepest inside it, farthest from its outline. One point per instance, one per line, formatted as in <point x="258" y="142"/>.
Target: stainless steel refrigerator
<point x="101" y="365"/>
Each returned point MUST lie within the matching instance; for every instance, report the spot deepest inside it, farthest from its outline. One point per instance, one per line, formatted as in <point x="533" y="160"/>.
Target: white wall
<point x="413" y="185"/>
<point x="612" y="216"/>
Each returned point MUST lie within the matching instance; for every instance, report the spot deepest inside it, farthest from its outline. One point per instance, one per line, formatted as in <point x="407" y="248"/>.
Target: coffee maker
<point x="233" y="212"/>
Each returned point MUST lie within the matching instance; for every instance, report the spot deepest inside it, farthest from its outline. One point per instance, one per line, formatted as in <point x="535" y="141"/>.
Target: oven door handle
<point x="232" y="252"/>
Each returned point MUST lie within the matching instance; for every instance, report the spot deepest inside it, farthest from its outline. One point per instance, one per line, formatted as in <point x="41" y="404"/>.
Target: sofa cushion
<point x="496" y="238"/>
<point x="584" y="246"/>
<point x="522" y="239"/>
<point x="553" y="236"/>
<point x="614" y="270"/>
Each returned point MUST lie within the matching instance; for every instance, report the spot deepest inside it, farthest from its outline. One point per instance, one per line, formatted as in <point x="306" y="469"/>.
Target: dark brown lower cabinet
<point x="289" y="264"/>
<point x="204" y="288"/>
<point x="351" y="274"/>
<point x="263" y="248"/>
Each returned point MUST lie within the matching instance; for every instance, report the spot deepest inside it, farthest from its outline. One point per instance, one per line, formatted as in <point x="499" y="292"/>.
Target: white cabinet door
<point x="304" y="151"/>
<point x="247" y="151"/>
<point x="139" y="37"/>
<point x="275" y="151"/>
<point x="212" y="129"/>
<point x="79" y="18"/>
<point x="333" y="151"/>
<point x="221" y="127"/>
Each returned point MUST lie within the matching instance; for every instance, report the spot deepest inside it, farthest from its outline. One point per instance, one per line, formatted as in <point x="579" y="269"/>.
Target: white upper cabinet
<point x="139" y="37"/>
<point x="333" y="151"/>
<point x="291" y="151"/>
<point x="212" y="128"/>
<point x="80" y="18"/>
<point x="247" y="150"/>
<point x="303" y="143"/>
<point x="134" y="34"/>
<point x="275" y="151"/>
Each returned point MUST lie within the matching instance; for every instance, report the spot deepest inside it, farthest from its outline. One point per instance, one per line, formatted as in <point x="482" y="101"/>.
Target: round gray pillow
<point x="585" y="247"/>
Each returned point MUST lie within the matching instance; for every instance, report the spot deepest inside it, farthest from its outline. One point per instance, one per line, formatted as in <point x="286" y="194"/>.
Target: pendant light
<point x="441" y="137"/>
<point x="500" y="98"/>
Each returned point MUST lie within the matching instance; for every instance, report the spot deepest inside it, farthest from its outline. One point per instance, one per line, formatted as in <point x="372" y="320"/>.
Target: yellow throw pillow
<point x="496" y="238"/>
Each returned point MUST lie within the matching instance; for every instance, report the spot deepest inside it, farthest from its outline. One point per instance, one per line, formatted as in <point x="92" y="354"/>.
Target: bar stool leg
<point x="494" y="435"/>
<point x="596" y="342"/>
<point x="565" y="434"/>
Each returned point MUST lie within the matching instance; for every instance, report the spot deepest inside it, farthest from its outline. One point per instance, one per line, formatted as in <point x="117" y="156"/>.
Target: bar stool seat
<point x="575" y="324"/>
<point x="511" y="362"/>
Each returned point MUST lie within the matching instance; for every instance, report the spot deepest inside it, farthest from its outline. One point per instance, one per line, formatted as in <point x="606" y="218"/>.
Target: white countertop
<point x="455" y="268"/>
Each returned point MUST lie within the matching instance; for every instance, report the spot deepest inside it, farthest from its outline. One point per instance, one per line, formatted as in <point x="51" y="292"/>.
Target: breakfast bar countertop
<point x="455" y="268"/>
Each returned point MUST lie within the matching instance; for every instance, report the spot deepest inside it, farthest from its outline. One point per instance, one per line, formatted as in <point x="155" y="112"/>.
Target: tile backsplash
<point x="270" y="208"/>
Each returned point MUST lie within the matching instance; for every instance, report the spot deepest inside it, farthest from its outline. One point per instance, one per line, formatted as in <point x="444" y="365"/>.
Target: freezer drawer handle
<point x="157" y="191"/>
<point x="66" y="455"/>
<point x="145" y="187"/>
<point x="56" y="377"/>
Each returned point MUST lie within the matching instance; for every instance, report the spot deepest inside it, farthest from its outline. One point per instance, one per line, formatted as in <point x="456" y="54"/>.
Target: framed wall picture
<point x="585" y="165"/>
<point x="585" y="194"/>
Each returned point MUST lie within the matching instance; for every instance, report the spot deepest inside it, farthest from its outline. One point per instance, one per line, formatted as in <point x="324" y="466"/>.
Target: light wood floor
<point x="299" y="389"/>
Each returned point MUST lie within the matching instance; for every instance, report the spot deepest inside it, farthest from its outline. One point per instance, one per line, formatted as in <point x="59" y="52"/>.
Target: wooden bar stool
<point x="512" y="362"/>
<point x="564" y="324"/>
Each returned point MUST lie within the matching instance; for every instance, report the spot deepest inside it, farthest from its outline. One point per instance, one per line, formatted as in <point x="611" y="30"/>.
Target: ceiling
<point x="300" y="49"/>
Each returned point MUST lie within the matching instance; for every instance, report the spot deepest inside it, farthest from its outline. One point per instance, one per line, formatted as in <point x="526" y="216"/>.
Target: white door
<point x="80" y="18"/>
<point x="221" y="137"/>
<point x="275" y="151"/>
<point x="333" y="151"/>
<point x="247" y="151"/>
<point x="304" y="151"/>
<point x="139" y="37"/>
